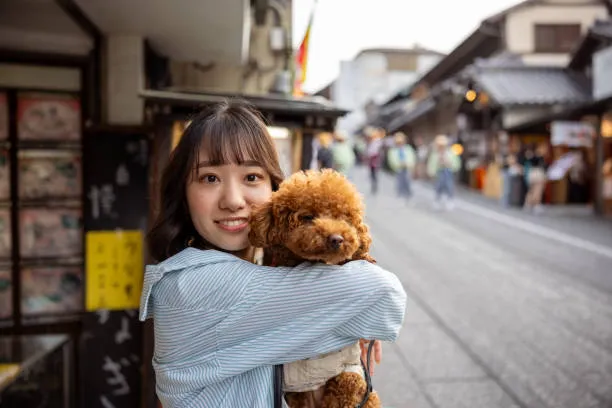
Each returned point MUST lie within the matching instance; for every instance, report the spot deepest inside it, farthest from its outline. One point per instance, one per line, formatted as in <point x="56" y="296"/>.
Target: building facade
<point x="92" y="95"/>
<point x="372" y="77"/>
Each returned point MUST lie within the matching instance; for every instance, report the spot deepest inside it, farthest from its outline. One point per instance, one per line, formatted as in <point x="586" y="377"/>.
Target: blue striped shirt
<point x="221" y="323"/>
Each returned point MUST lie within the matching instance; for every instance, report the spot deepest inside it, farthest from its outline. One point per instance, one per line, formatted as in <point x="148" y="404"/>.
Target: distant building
<point x="374" y="75"/>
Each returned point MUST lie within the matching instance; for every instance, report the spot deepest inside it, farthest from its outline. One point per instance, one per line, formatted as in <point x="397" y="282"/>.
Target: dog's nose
<point x="335" y="241"/>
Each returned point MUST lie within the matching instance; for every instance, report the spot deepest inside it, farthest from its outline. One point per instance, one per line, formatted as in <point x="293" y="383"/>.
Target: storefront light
<point x="457" y="149"/>
<point x="278" y="132"/>
<point x="606" y="125"/>
<point x="471" y="95"/>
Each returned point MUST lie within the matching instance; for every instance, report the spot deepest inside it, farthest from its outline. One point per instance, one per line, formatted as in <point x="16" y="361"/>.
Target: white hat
<point x="441" y="140"/>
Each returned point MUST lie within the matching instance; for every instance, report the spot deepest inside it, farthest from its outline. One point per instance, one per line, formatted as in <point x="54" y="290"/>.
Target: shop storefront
<point x="606" y="166"/>
<point x="602" y="90"/>
<point x="42" y="105"/>
<point x="73" y="199"/>
<point x="292" y="123"/>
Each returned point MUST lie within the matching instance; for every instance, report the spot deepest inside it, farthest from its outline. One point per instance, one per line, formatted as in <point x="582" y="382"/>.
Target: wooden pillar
<point x="307" y="152"/>
<point x="297" y="150"/>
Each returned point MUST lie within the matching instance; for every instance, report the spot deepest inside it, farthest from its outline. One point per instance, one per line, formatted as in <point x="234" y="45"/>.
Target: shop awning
<point x="569" y="113"/>
<point x="266" y="103"/>
<point x="278" y="110"/>
<point x="528" y="85"/>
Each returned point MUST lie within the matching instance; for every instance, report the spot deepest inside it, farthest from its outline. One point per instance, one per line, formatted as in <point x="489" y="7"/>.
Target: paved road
<point x="506" y="310"/>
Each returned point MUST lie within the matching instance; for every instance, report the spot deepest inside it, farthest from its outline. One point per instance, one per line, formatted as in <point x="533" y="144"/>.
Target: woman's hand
<point x="376" y="351"/>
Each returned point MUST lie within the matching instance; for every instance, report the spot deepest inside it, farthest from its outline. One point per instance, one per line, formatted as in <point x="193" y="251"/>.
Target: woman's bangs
<point x="232" y="142"/>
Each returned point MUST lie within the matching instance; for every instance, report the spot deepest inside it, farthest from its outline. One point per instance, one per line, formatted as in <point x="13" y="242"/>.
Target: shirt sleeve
<point x="288" y="314"/>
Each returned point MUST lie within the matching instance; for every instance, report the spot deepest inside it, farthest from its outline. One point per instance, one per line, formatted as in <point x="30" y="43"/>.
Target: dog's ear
<point x="364" y="247"/>
<point x="261" y="222"/>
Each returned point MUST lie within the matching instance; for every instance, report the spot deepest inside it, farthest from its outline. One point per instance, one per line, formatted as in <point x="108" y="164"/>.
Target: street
<point x="505" y="309"/>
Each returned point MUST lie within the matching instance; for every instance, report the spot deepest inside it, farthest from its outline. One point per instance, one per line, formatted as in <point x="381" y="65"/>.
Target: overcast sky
<point x="342" y="28"/>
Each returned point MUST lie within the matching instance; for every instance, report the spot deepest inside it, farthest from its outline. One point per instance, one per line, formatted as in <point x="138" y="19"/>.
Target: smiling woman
<point x="229" y="162"/>
<point x="222" y="321"/>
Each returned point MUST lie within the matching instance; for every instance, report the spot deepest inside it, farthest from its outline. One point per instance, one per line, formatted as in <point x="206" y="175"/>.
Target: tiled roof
<point x="602" y="29"/>
<point x="270" y="103"/>
<point x="533" y="86"/>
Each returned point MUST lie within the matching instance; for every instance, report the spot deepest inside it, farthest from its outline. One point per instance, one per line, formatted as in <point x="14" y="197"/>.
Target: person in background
<point x="578" y="178"/>
<point x="402" y="159"/>
<point x="373" y="149"/>
<point x="534" y="165"/>
<point x="511" y="169"/>
<point x="359" y="147"/>
<point x="442" y="165"/>
<point x="325" y="156"/>
<point x="506" y="179"/>
<point x="343" y="155"/>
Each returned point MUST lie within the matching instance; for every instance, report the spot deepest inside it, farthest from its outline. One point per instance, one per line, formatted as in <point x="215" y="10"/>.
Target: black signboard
<point x="115" y="170"/>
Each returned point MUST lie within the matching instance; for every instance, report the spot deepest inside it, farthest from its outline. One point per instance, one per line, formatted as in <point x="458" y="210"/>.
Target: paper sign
<point x="114" y="269"/>
<point x="8" y="372"/>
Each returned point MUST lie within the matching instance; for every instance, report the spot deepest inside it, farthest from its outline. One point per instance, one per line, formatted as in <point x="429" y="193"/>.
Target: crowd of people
<point x="524" y="174"/>
<point x="395" y="154"/>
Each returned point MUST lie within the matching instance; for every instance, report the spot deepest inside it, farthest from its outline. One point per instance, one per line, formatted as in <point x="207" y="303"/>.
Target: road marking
<point x="536" y="229"/>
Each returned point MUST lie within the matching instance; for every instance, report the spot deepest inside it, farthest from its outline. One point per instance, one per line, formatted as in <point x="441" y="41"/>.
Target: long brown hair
<point x="230" y="132"/>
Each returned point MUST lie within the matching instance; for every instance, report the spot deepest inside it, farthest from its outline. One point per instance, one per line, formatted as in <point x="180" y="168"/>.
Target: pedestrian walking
<point x="373" y="155"/>
<point x="401" y="159"/>
<point x="442" y="165"/>
<point x="343" y="154"/>
<point x="325" y="156"/>
<point x="534" y="169"/>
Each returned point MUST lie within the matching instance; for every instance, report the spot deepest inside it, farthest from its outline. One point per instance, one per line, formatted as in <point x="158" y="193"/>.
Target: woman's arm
<point x="288" y="314"/>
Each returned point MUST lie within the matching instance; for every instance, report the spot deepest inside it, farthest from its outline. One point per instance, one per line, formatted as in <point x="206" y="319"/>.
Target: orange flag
<point x="302" y="59"/>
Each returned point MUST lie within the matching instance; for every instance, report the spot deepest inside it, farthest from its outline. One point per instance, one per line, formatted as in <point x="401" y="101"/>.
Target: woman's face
<point x="220" y="200"/>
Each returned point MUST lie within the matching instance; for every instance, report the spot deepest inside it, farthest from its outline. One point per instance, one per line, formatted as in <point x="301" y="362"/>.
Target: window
<point x="556" y="38"/>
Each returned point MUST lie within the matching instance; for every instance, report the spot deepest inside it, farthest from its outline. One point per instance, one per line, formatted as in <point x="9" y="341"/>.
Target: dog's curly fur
<point x="303" y="221"/>
<point x="309" y="207"/>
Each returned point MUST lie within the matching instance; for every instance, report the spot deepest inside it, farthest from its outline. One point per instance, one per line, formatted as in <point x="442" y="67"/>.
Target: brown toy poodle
<point x="316" y="216"/>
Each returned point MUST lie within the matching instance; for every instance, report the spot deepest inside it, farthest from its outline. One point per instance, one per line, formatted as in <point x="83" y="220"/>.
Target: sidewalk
<point x="579" y="221"/>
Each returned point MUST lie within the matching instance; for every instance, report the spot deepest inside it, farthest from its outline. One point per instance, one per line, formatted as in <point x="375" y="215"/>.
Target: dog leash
<point x="366" y="372"/>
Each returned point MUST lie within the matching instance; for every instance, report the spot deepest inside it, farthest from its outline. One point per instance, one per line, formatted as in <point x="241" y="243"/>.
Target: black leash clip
<point x="366" y="372"/>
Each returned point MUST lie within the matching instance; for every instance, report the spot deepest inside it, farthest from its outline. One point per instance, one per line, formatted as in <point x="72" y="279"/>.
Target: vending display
<point x="48" y="117"/>
<point x="49" y="174"/>
<point x="51" y="290"/>
<point x="50" y="232"/>
<point x="5" y="233"/>
<point x="41" y="225"/>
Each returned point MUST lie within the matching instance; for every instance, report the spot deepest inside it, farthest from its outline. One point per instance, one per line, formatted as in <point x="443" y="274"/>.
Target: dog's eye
<point x="307" y="218"/>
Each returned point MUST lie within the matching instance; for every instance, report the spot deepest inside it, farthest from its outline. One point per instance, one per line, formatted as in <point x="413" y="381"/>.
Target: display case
<point x="36" y="372"/>
<point x="41" y="196"/>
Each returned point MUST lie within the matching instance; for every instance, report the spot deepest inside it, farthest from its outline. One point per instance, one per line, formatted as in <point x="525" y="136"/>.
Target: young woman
<point x="221" y="321"/>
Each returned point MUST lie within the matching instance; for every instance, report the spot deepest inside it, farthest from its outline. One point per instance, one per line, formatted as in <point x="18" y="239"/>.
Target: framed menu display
<point x="49" y="174"/>
<point x="50" y="232"/>
<point x="5" y="179"/>
<point x="5" y="233"/>
<point x="4" y="116"/>
<point x="48" y="117"/>
<point x="51" y="290"/>
<point x="6" y="293"/>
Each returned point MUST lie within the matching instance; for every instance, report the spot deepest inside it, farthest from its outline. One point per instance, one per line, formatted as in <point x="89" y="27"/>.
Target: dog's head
<point x="317" y="216"/>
